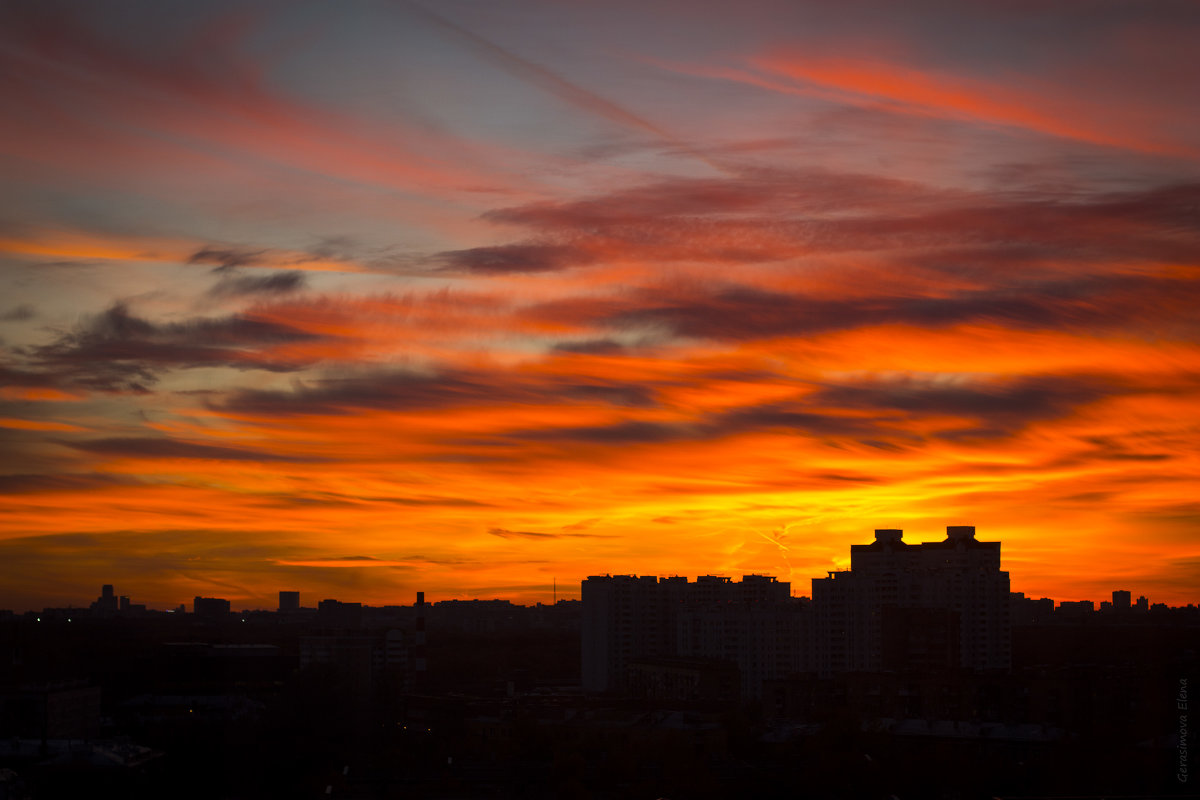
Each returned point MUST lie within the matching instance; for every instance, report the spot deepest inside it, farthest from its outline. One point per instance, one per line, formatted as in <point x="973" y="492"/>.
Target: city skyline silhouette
<point x="473" y="399"/>
<point x="918" y="656"/>
<point x="290" y="599"/>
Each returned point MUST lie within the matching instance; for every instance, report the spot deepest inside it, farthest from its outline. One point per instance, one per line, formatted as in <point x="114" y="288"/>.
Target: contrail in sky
<point x="560" y="87"/>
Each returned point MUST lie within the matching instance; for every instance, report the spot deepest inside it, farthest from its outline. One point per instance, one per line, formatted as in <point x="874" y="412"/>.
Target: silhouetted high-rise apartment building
<point x="106" y="603"/>
<point x="1121" y="600"/>
<point x="210" y="608"/>
<point x="625" y="617"/>
<point x="362" y="661"/>
<point x="934" y="605"/>
<point x="753" y="623"/>
<point x="289" y="601"/>
<point x="929" y="607"/>
<point x="336" y="614"/>
<point x="766" y="639"/>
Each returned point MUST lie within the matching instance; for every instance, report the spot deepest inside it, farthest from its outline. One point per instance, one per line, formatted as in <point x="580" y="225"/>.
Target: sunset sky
<point x="366" y="298"/>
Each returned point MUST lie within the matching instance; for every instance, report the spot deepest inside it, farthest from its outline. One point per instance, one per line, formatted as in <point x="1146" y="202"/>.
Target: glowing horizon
<point x="463" y="298"/>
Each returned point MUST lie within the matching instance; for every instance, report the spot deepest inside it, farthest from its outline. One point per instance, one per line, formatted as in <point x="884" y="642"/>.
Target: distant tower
<point x="1121" y="600"/>
<point x="419" y="662"/>
<point x="289" y="601"/>
<point x="107" y="602"/>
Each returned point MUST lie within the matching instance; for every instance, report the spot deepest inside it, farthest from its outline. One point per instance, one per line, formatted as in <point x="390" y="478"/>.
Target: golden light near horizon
<point x="365" y="301"/>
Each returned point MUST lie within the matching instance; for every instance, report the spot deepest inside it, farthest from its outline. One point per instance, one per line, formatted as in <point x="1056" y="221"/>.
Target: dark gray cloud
<point x="799" y="417"/>
<point x="62" y="482"/>
<point x="841" y="478"/>
<point x="996" y="408"/>
<point x="28" y="378"/>
<point x="597" y="347"/>
<point x="1139" y="456"/>
<point x="1024" y="259"/>
<point x="393" y="390"/>
<point x="450" y="388"/>
<point x="513" y="258"/>
<point x="1028" y="252"/>
<point x="504" y="533"/>
<point x="21" y="313"/>
<point x="731" y="312"/>
<point x="879" y="208"/>
<point x="877" y="414"/>
<point x="1003" y="405"/>
<point x="151" y="447"/>
<point x="794" y="418"/>
<point x="629" y="432"/>
<point x="226" y="258"/>
<point x="275" y="283"/>
<point x="1134" y="447"/>
<point x="338" y="248"/>
<point x="117" y="351"/>
<point x="304" y="499"/>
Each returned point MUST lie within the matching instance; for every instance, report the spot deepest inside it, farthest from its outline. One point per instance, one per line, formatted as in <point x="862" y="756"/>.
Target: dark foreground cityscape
<point x="914" y="674"/>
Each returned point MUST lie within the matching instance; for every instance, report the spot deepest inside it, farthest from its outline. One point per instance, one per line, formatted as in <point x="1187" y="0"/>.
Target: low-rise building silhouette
<point x="1076" y="607"/>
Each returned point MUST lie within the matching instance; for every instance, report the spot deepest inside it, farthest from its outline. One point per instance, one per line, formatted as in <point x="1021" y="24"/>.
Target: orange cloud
<point x="1062" y="109"/>
<point x="35" y="425"/>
